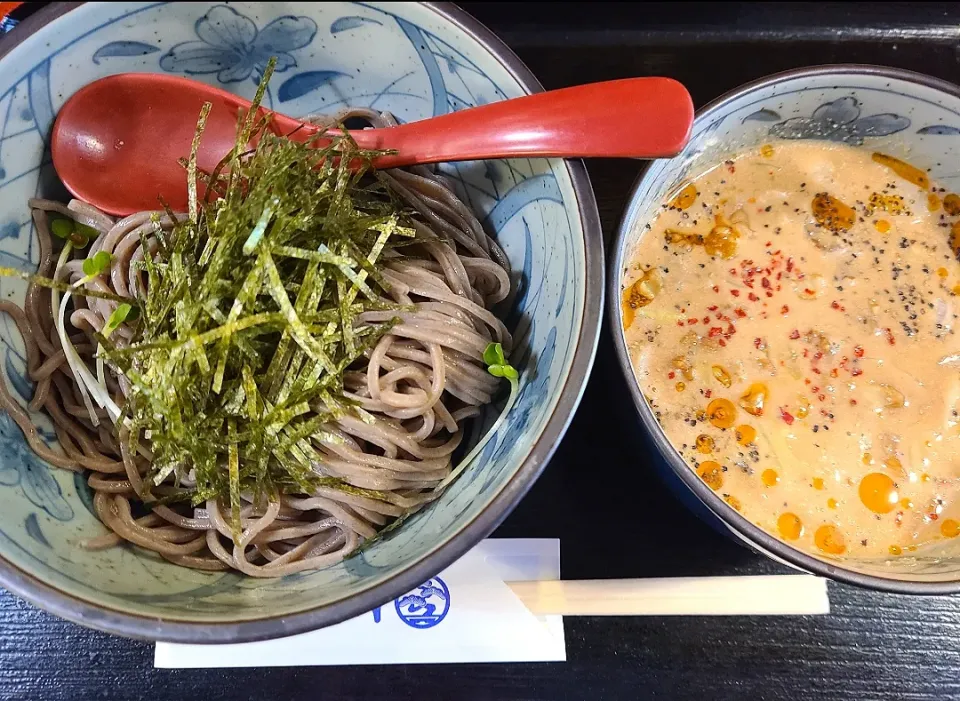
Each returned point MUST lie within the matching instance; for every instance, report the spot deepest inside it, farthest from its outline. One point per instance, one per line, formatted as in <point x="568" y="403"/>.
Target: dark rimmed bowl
<point x="413" y="59"/>
<point x="903" y="113"/>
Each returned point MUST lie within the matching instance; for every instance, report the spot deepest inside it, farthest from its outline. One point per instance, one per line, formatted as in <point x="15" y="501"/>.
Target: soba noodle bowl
<point x="417" y="386"/>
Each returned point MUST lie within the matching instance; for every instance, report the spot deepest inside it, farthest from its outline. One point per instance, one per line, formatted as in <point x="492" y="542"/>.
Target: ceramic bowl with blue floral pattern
<point x="907" y="115"/>
<point x="415" y="60"/>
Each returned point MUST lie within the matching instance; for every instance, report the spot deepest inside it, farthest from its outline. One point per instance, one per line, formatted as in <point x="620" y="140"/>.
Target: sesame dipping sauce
<point x="790" y="315"/>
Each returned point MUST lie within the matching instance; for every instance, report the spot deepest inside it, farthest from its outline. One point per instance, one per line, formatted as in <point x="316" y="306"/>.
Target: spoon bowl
<point x="133" y="129"/>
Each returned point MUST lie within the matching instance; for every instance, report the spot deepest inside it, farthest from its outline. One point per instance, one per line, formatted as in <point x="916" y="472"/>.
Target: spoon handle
<point x="631" y="118"/>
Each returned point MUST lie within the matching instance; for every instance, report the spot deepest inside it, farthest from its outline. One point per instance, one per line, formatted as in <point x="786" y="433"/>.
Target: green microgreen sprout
<point x="97" y="265"/>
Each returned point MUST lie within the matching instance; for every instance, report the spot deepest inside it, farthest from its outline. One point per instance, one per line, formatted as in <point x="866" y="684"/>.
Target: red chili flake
<point x="858" y="351"/>
<point x="818" y="355"/>
<point x="853" y="402"/>
<point x="890" y="339"/>
<point x="716" y="289"/>
<point x="816" y="370"/>
<point x="706" y="320"/>
<point x="708" y="393"/>
<point x="692" y="321"/>
<point x="779" y="276"/>
<point x="789" y="265"/>
<point x="769" y="243"/>
<point x="769" y="293"/>
<point x="752" y="297"/>
<point x="815" y="389"/>
<point x="722" y="342"/>
<point x="821" y="397"/>
<point x="806" y="381"/>
<point x="735" y="293"/>
<point x="786" y="416"/>
<point x="933" y="517"/>
<point x="786" y="310"/>
<point x="712" y="308"/>
<point x="732" y="169"/>
<point x="834" y="305"/>
<point x="733" y="271"/>
<point x="765" y="283"/>
<point x="715" y="331"/>
<point x="671" y="375"/>
<point x="719" y="315"/>
<point x="731" y="329"/>
<point x="806" y="353"/>
<point x="807" y="290"/>
<point x="739" y="312"/>
<point x="833" y="372"/>
<point x="794" y="335"/>
<point x="758" y="343"/>
<point x="776" y="252"/>
<point x="856" y="371"/>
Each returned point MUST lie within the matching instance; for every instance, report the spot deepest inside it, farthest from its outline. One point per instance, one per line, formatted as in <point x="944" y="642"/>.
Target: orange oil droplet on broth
<point x="832" y="214"/>
<point x="896" y="550"/>
<point x="829" y="539"/>
<point x="746" y="434"/>
<point x="789" y="526"/>
<point x="770" y="477"/>
<point x="705" y="444"/>
<point x="711" y="473"/>
<point x="955" y="237"/>
<point x="638" y="295"/>
<point x="882" y="225"/>
<point x="722" y="240"/>
<point x="685" y="198"/>
<point x="950" y="528"/>
<point x="951" y="204"/>
<point x="722" y="413"/>
<point x="721" y="375"/>
<point x="942" y="272"/>
<point x="817" y="482"/>
<point x="906" y="503"/>
<point x="680" y="386"/>
<point x="734" y="502"/>
<point x="766" y="151"/>
<point x="831" y="503"/>
<point x="878" y="492"/>
<point x="904" y="170"/>
<point x="933" y="202"/>
<point x="753" y="400"/>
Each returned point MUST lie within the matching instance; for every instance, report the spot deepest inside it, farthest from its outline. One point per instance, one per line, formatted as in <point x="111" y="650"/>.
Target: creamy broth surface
<point x="790" y="315"/>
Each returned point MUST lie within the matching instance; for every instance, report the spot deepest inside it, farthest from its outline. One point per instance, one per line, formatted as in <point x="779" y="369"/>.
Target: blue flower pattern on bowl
<point x="232" y="47"/>
<point x="22" y="468"/>
<point x="840" y="120"/>
<point x="422" y="67"/>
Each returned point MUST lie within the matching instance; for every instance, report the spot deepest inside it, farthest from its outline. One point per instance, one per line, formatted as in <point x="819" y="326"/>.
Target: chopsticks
<point x="763" y="595"/>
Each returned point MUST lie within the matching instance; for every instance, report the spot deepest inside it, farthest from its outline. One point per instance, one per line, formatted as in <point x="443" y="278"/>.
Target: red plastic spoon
<point x="117" y="141"/>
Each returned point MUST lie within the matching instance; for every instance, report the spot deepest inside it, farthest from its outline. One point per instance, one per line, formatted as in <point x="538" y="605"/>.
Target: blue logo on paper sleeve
<point x="425" y="606"/>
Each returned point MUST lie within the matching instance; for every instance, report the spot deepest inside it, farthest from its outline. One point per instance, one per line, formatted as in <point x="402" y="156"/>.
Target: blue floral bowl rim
<point x="740" y="526"/>
<point x="86" y="613"/>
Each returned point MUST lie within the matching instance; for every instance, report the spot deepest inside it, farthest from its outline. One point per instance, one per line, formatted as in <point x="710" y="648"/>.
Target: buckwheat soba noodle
<point x="267" y="381"/>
